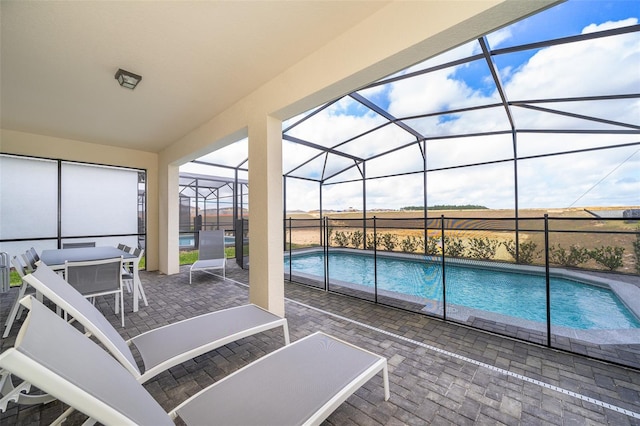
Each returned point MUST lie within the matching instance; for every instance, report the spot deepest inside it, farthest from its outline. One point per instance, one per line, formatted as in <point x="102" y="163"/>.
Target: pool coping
<point x="629" y="295"/>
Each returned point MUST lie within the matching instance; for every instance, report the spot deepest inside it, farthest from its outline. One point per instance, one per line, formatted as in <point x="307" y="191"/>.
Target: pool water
<point x="573" y="304"/>
<point x="188" y="241"/>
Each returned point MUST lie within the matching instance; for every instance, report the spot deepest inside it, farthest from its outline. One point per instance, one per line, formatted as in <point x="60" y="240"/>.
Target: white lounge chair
<point x="162" y="347"/>
<point x="211" y="254"/>
<point x="301" y="383"/>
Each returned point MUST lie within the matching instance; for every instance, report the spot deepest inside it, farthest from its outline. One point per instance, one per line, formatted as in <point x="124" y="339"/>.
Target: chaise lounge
<point x="163" y="347"/>
<point x="301" y="383"/>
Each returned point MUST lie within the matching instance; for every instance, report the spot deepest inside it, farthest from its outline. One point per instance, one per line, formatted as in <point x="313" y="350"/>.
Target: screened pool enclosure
<point x="47" y="203"/>
<point x="519" y="150"/>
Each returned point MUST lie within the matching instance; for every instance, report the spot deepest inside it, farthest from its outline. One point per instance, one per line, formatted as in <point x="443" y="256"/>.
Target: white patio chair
<point x="127" y="275"/>
<point x="97" y="278"/>
<point x="301" y="383"/>
<point x="29" y="261"/>
<point x="211" y="254"/>
<point x="16" y="309"/>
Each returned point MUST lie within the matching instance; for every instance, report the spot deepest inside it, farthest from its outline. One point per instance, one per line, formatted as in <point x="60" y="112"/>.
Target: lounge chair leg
<point x="18" y="394"/>
<point x="385" y="379"/>
<point x="285" y="330"/>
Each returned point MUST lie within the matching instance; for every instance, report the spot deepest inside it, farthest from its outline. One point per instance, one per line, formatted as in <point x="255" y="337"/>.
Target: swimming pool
<point x="507" y="292"/>
<point x="187" y="240"/>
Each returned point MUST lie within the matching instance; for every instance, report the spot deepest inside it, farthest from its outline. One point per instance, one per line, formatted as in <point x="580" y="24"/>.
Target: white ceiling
<point x="58" y="60"/>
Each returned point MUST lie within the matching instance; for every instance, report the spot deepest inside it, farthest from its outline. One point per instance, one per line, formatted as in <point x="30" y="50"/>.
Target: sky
<point x="595" y="178"/>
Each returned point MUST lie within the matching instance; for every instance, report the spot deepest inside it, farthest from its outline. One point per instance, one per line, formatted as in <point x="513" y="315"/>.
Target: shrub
<point x="356" y="239"/>
<point x="409" y="244"/>
<point x="389" y="241"/>
<point x="371" y="242"/>
<point x="575" y="256"/>
<point x="609" y="257"/>
<point x="453" y="247"/>
<point x="341" y="238"/>
<point x="483" y="248"/>
<point x="433" y="246"/>
<point x="527" y="253"/>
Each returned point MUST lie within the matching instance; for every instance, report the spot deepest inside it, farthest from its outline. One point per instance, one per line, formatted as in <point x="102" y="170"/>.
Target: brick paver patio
<point x="440" y="373"/>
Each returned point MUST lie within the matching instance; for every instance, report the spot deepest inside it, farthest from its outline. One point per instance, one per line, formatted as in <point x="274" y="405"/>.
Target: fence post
<point x="375" y="259"/>
<point x="325" y="226"/>
<point x="290" y="245"/>
<point x="547" y="277"/>
<point x="444" y="281"/>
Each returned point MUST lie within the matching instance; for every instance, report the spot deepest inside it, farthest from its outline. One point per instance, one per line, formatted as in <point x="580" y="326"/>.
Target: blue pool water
<point x="187" y="240"/>
<point x="573" y="304"/>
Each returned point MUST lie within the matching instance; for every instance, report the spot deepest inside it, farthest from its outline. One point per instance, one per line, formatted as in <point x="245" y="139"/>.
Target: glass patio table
<point x="55" y="259"/>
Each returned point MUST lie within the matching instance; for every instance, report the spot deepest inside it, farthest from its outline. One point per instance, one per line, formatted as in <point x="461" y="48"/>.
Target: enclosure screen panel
<point x="28" y="189"/>
<point x="98" y="200"/>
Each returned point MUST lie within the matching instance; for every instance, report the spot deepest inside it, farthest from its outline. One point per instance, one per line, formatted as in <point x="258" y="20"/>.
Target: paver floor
<point x="440" y="373"/>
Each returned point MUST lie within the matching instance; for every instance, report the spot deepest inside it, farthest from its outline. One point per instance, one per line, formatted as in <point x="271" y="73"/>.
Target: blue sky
<point x="600" y="178"/>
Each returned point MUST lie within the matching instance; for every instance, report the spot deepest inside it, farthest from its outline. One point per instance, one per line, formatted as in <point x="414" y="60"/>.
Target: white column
<point x="168" y="215"/>
<point x="266" y="273"/>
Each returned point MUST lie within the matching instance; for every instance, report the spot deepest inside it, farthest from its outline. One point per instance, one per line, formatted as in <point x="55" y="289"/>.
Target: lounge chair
<point x="162" y="347"/>
<point x="301" y="383"/>
<point x="211" y="254"/>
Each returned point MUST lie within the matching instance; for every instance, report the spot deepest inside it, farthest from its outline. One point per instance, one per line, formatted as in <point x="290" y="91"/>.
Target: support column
<point x="169" y="219"/>
<point x="266" y="271"/>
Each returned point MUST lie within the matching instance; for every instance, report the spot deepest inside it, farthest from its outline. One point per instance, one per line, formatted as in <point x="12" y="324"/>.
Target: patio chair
<point x="211" y="254"/>
<point x="128" y="279"/>
<point x="162" y="347"/>
<point x="301" y="383"/>
<point x="97" y="278"/>
<point x="16" y="309"/>
<point x="29" y="261"/>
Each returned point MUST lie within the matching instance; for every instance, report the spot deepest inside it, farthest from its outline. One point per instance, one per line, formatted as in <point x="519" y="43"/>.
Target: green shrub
<point x="483" y="248"/>
<point x="371" y="243"/>
<point x="356" y="239"/>
<point x="433" y="246"/>
<point x="388" y="241"/>
<point x="527" y="253"/>
<point x="453" y="247"/>
<point x="609" y="257"/>
<point x="409" y="244"/>
<point x="575" y="256"/>
<point x="342" y="239"/>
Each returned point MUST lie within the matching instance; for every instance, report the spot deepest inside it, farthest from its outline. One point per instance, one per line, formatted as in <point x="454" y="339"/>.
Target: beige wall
<point x="12" y="142"/>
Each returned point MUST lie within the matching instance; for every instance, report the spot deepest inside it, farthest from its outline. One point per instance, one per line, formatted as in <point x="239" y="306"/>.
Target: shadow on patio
<point x="439" y="372"/>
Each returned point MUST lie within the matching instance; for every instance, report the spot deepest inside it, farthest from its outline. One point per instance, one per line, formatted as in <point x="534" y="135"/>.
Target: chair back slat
<point x="211" y="245"/>
<point x="79" y="245"/>
<point x="95" y="277"/>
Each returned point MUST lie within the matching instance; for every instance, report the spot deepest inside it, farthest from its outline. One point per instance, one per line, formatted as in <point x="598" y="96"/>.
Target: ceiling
<point x="197" y="58"/>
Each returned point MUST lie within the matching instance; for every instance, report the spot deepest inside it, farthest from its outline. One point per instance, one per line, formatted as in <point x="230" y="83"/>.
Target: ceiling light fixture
<point x="127" y="79"/>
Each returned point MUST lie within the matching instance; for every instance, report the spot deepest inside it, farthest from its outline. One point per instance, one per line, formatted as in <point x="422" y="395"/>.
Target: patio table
<point x="55" y="259"/>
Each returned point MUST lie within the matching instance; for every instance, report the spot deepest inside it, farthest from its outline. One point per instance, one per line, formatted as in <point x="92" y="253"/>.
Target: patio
<point x="439" y="372"/>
